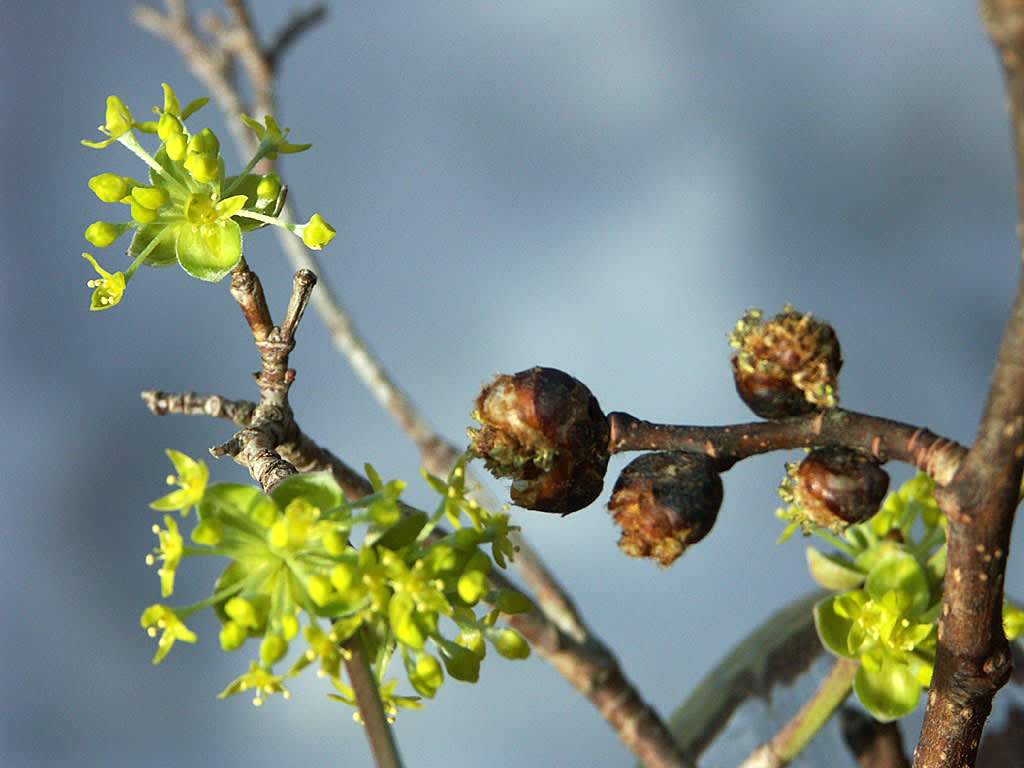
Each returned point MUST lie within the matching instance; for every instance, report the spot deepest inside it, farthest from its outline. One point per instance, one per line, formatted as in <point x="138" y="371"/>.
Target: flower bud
<point x="835" y="487"/>
<point x="787" y="366"/>
<point x="546" y="431"/>
<point x="665" y="502"/>
<point x="109" y="187"/>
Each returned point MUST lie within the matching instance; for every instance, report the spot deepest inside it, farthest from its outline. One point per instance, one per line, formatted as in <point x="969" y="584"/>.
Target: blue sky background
<point x="602" y="187"/>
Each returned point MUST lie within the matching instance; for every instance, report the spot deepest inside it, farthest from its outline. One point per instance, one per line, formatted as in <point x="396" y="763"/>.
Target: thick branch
<point x="884" y="439"/>
<point x="973" y="659"/>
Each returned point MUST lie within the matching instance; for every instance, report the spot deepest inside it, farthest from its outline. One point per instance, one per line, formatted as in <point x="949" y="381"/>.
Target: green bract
<point x="889" y="589"/>
<point x="187" y="211"/>
<point x="292" y="563"/>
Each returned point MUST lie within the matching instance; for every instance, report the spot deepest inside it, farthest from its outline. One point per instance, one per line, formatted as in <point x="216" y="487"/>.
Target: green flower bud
<point x="204" y="168"/>
<point x="335" y="542"/>
<point x="278" y="535"/>
<point x="344" y="575"/>
<point x="142" y="214"/>
<point x="177" y="147"/>
<point x="289" y="626"/>
<point x="109" y="187"/>
<point x="317" y="233"/>
<point x="205" y="143"/>
<point x="169" y="125"/>
<point x="426" y="675"/>
<point x="472" y="585"/>
<point x="319" y="588"/>
<point x="473" y="640"/>
<point x="243" y="612"/>
<point x="272" y="649"/>
<point x="151" y="197"/>
<point x="103" y="233"/>
<point x="269" y="187"/>
<point x="510" y="644"/>
<point x="232" y="636"/>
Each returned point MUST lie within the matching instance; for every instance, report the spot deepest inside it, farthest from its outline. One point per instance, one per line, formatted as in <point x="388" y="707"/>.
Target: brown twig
<point x="973" y="658"/>
<point x="884" y="439"/>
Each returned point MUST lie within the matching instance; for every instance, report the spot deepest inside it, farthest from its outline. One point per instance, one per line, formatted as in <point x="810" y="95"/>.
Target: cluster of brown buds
<point x="545" y="430"/>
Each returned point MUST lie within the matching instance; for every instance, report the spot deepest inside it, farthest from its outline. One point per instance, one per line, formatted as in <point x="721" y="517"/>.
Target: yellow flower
<point x="107" y="288"/>
<point x="160" y="618"/>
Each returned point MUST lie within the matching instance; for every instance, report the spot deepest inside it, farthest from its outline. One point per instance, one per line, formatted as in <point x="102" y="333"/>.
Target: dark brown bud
<point x="546" y="431"/>
<point x="787" y="366"/>
<point x="664" y="502"/>
<point x="835" y="487"/>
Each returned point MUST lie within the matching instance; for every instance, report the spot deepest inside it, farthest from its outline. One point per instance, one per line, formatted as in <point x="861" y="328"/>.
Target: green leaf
<point x="833" y="572"/>
<point x="401" y="534"/>
<point x="317" y="488"/>
<point x="888" y="691"/>
<point x="209" y="251"/>
<point x="226" y="499"/>
<point x="900" y="572"/>
<point x="461" y="663"/>
<point x="510" y="601"/>
<point x="833" y="629"/>
<point x="162" y="254"/>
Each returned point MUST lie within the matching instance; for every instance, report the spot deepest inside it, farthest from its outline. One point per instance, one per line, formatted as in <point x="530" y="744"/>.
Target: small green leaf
<point x="833" y="629"/>
<point x="889" y="691"/>
<point x="209" y="251"/>
<point x="461" y="663"/>
<point x="510" y="601"/>
<point x="833" y="572"/>
<point x="319" y="489"/>
<point x="900" y="572"/>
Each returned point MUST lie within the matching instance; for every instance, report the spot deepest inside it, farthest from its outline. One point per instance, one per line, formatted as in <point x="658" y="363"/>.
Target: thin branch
<point x="884" y="439"/>
<point x="805" y="725"/>
<point x="973" y="658"/>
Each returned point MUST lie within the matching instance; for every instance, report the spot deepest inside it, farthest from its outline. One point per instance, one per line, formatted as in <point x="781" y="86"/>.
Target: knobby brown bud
<point x="786" y="366"/>
<point x="664" y="502"/>
<point x="546" y="431"/>
<point x="836" y="487"/>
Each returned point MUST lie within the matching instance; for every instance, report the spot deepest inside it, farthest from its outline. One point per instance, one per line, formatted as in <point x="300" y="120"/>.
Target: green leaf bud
<point x="232" y="636"/>
<point x="151" y="197"/>
<point x="103" y="233"/>
<point x="109" y="187"/>
<point x="272" y="649"/>
<point x="510" y="644"/>
<point x="209" y="532"/>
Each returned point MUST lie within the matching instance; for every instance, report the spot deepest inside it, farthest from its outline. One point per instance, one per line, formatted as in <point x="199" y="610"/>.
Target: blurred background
<point x="601" y="187"/>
